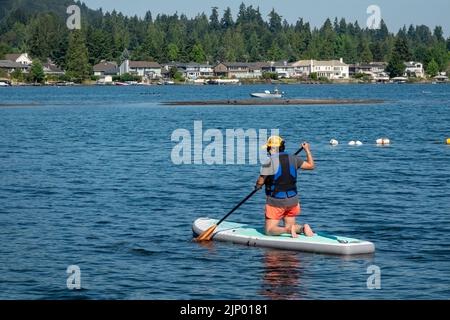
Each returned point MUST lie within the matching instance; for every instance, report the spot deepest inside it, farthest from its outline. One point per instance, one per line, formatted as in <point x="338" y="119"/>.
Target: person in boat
<point x="279" y="175"/>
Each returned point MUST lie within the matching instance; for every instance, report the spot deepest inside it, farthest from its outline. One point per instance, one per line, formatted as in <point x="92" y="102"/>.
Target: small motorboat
<point x="267" y="94"/>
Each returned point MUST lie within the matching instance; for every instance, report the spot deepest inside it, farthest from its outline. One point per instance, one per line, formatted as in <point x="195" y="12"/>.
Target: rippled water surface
<point x="86" y="179"/>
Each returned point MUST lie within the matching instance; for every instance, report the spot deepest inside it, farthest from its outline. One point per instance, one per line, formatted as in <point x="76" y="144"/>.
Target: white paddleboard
<point x="320" y="243"/>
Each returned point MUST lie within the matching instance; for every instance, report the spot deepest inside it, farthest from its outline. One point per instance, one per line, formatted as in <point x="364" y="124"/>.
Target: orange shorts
<point x="275" y="213"/>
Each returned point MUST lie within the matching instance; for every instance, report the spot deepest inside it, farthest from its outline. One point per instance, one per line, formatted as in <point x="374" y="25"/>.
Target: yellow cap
<point x="273" y="141"/>
<point x="448" y="141"/>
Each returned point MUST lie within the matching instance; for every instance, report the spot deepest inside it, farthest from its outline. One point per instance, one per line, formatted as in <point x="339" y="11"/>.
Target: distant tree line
<point x="39" y="28"/>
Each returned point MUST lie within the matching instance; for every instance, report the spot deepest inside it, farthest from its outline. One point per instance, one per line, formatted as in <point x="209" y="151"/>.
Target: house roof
<point x="302" y="63"/>
<point x="412" y="64"/>
<point x="330" y="63"/>
<point x="327" y="63"/>
<point x="183" y="65"/>
<point x="112" y="72"/>
<point x="258" y="65"/>
<point x="236" y="64"/>
<point x="281" y="64"/>
<point x="8" y="64"/>
<point x="104" y="66"/>
<point x="144" y="64"/>
<point x="52" y="68"/>
<point x="12" y="56"/>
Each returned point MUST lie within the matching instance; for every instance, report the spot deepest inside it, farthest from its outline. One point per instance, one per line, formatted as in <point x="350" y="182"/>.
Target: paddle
<point x="207" y="235"/>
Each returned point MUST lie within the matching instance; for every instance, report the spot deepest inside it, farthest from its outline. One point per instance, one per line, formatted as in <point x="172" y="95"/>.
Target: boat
<point x="4" y="84"/>
<point x="319" y="243"/>
<point x="222" y="81"/>
<point x="276" y="94"/>
<point x="117" y="83"/>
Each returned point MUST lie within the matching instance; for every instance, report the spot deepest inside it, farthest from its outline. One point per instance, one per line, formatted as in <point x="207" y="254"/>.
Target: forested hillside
<point x="39" y="28"/>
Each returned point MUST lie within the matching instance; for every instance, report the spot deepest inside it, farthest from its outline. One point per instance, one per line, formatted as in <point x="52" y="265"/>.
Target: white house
<point x="283" y="69"/>
<point x="192" y="70"/>
<point x="331" y="69"/>
<point x="21" y="58"/>
<point x="146" y="69"/>
<point x="414" y="69"/>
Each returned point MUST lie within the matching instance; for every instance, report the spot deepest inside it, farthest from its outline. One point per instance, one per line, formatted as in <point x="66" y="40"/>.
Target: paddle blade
<point x="207" y="235"/>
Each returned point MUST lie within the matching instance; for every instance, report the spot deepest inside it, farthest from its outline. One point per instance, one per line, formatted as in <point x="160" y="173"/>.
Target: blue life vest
<point x="283" y="184"/>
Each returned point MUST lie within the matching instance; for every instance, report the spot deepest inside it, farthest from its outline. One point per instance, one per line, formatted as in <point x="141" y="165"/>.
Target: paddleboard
<point x="320" y="243"/>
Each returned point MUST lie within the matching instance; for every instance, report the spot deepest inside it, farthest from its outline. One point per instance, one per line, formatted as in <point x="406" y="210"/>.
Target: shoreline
<point x="272" y="102"/>
<point x="246" y="83"/>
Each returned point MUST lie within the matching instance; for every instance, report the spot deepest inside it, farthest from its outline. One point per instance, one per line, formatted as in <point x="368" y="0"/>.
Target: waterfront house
<point x="414" y="69"/>
<point x="191" y="70"/>
<point x="21" y="58"/>
<point x="302" y="68"/>
<point x="330" y="69"/>
<point x="52" y="69"/>
<point x="370" y="69"/>
<point x="145" y="69"/>
<point x="241" y="70"/>
<point x="236" y="70"/>
<point x="105" y="68"/>
<point x="10" y="66"/>
<point x="283" y="69"/>
<point x="375" y="70"/>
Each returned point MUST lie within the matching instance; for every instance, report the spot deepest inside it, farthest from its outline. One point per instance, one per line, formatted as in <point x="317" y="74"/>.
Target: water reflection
<point x="282" y="275"/>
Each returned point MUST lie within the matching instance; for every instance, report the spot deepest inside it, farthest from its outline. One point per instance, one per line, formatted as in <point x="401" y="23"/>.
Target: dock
<point x="272" y="102"/>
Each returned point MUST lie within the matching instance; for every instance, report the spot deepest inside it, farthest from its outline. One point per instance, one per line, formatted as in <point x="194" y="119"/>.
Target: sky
<point x="395" y="13"/>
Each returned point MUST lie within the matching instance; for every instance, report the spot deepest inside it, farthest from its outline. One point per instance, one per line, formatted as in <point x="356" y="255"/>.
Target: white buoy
<point x="358" y="143"/>
<point x="383" y="142"/>
<point x="334" y="142"/>
<point x="352" y="143"/>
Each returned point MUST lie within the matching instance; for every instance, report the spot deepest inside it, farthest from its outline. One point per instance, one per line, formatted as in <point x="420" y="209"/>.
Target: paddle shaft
<point x="246" y="198"/>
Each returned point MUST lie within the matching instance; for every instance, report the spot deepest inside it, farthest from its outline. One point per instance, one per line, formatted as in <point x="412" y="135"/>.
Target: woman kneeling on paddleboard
<point x="279" y="175"/>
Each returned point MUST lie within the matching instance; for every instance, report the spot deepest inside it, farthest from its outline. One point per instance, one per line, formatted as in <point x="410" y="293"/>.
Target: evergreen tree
<point x="439" y="34"/>
<point x="148" y="17"/>
<point x="214" y="19"/>
<point x="275" y="53"/>
<point x="77" y="62"/>
<point x="172" y="52"/>
<point x="366" y="54"/>
<point x="274" y="21"/>
<point x="396" y="66"/>
<point x="198" y="54"/>
<point x="98" y="46"/>
<point x="44" y="32"/>
<point x="401" y="48"/>
<point x="4" y="49"/>
<point x="227" y="20"/>
<point x="433" y="68"/>
<point x="327" y="41"/>
<point x="37" y="74"/>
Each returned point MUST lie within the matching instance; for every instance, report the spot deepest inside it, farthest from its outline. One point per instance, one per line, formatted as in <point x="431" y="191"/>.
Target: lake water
<point x="86" y="179"/>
